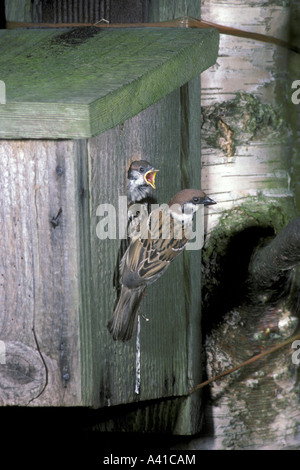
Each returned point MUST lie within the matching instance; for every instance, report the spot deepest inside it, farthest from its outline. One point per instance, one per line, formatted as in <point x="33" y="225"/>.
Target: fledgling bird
<point x="140" y="180"/>
<point x="161" y="239"/>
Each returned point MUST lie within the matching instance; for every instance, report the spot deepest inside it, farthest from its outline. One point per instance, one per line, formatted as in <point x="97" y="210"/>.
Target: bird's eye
<point x="142" y="169"/>
<point x="195" y="199"/>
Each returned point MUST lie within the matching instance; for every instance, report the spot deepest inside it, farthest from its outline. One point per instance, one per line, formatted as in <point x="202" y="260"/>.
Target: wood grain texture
<point x="79" y="83"/>
<point x="188" y="410"/>
<point x="57" y="290"/>
<point x="171" y="338"/>
<point x="168" y="350"/>
<point x="70" y="11"/>
<point x="163" y="359"/>
<point x="75" y="358"/>
<point x="19" y="10"/>
<point x="39" y="296"/>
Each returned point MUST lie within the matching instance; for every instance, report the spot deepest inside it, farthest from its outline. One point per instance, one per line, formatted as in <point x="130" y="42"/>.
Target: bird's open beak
<point x="208" y="201"/>
<point x="150" y="177"/>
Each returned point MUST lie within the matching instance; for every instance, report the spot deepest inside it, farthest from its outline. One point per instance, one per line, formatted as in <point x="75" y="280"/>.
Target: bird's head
<point x="142" y="173"/>
<point x="185" y="203"/>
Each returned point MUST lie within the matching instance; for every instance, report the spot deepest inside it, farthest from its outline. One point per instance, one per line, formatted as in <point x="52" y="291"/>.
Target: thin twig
<point x="247" y="34"/>
<point x="188" y="22"/>
<point x="243" y="364"/>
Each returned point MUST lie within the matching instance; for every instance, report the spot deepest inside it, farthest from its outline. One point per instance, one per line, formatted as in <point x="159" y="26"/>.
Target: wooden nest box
<point x="80" y="105"/>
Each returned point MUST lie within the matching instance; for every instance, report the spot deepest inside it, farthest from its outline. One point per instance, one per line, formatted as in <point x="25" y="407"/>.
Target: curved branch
<point x="245" y="363"/>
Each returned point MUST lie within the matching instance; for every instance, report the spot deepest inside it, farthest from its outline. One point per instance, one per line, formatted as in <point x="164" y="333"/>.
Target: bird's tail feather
<point x="123" y="323"/>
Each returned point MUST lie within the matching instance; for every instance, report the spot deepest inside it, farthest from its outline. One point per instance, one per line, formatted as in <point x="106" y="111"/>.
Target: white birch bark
<point x="294" y="63"/>
<point x="250" y="154"/>
<point x="247" y="143"/>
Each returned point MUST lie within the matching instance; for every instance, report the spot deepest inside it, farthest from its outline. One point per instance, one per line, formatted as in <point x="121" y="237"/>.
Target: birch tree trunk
<point x="294" y="63"/>
<point x="246" y="137"/>
<point x="247" y="143"/>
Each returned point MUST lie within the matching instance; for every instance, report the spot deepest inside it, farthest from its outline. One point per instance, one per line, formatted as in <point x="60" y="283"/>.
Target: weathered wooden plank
<point x="39" y="295"/>
<point x="57" y="291"/>
<point x="29" y="120"/>
<point x="171" y="340"/>
<point x="163" y="349"/>
<point x="19" y="10"/>
<point x="70" y="11"/>
<point x="188" y="411"/>
<point x="79" y="83"/>
<point x="78" y="363"/>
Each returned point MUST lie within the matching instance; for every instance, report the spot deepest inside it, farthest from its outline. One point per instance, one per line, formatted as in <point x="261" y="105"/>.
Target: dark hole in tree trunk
<point x="225" y="274"/>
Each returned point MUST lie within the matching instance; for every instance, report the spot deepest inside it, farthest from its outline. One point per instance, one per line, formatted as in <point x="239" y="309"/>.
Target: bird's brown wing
<point x="147" y="258"/>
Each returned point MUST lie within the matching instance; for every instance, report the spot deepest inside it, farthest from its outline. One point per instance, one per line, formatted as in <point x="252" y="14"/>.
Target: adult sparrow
<point x="158" y="241"/>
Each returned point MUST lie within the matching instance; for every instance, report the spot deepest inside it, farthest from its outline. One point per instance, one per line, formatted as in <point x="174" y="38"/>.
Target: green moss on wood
<point x="255" y="212"/>
<point x="109" y="75"/>
<point x="243" y="119"/>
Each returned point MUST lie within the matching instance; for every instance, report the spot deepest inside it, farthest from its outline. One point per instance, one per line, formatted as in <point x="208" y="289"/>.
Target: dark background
<point x="2" y="14"/>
